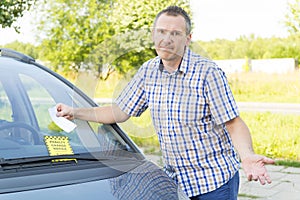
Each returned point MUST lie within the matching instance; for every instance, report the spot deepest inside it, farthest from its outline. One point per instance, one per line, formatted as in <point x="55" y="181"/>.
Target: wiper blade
<point x="59" y="158"/>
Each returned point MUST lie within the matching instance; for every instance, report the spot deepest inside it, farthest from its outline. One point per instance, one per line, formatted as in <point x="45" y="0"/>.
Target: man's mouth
<point x="169" y="49"/>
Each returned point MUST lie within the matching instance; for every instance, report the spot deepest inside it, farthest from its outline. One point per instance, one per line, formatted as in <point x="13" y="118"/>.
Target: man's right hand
<point x="64" y="111"/>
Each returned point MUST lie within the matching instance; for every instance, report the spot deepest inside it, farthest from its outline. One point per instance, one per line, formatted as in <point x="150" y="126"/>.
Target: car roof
<point x="4" y="52"/>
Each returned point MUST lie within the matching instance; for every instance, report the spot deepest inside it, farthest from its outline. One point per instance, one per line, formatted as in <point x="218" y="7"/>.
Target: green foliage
<point x="99" y="35"/>
<point x="25" y="48"/>
<point x="72" y="29"/>
<point x="134" y="26"/>
<point x="260" y="48"/>
<point x="292" y="17"/>
<point x="246" y="66"/>
<point x="253" y="48"/>
<point x="11" y="10"/>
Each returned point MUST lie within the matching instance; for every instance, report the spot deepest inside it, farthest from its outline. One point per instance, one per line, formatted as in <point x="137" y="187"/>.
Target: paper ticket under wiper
<point x="61" y="122"/>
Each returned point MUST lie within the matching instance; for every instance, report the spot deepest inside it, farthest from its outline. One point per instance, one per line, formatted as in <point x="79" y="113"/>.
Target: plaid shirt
<point x="189" y="108"/>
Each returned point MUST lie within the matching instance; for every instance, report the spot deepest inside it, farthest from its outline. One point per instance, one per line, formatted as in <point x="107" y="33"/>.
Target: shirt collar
<point x="183" y="67"/>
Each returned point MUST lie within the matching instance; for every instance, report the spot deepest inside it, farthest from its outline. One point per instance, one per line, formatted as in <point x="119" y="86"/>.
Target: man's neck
<point x="171" y="66"/>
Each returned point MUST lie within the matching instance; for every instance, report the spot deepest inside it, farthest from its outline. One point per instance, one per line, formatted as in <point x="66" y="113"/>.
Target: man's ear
<point x="188" y="39"/>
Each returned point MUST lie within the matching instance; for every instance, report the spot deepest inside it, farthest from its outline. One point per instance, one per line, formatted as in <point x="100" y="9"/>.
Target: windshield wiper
<point x="59" y="158"/>
<point x="95" y="156"/>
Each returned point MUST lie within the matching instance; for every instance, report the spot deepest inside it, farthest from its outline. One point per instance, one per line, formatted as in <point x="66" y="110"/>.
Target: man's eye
<point x="160" y="31"/>
<point x="175" y="33"/>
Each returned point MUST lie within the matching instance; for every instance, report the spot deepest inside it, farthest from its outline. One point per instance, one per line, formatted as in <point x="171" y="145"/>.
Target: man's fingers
<point x="268" y="178"/>
<point x="249" y="176"/>
<point x="254" y="177"/>
<point x="268" y="161"/>
<point x="263" y="179"/>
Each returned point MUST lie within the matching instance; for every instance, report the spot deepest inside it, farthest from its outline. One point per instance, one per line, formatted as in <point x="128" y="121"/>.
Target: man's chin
<point x="165" y="53"/>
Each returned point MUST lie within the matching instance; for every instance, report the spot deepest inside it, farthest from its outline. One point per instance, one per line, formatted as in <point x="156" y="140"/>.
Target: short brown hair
<point x="175" y="11"/>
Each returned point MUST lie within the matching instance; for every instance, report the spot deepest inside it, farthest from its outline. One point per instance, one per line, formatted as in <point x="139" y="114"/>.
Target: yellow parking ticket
<point x="58" y="145"/>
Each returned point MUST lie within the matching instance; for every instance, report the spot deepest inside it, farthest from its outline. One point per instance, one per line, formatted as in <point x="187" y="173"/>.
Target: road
<point x="284" y="108"/>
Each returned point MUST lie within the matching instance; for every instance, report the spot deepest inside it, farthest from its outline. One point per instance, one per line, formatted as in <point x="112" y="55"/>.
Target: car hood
<point x="147" y="181"/>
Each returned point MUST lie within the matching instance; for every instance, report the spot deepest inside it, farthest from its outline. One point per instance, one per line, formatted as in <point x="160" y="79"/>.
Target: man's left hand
<point x="254" y="168"/>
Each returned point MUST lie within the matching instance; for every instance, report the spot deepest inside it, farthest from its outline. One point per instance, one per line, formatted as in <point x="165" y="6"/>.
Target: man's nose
<point x="168" y="37"/>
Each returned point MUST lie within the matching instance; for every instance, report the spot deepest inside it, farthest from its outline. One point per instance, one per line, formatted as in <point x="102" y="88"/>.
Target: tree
<point x="133" y="20"/>
<point x="99" y="35"/>
<point x="293" y="17"/>
<point x="10" y="11"/>
<point x="26" y="48"/>
<point x="72" y="29"/>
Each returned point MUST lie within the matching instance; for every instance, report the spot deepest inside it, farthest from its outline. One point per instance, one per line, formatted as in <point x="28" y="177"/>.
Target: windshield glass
<point x="26" y="128"/>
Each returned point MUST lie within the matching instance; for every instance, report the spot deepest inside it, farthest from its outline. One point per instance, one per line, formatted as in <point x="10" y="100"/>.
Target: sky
<point x="230" y="19"/>
<point x="213" y="19"/>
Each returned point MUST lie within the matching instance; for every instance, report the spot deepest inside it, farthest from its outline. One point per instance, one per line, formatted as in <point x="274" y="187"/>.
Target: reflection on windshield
<point x="26" y="94"/>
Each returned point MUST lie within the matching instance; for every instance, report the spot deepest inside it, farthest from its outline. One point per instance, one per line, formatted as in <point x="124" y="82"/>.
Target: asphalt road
<point x="284" y="108"/>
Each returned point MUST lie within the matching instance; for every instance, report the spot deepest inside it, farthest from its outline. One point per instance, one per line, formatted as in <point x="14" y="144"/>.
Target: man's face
<point x="170" y="37"/>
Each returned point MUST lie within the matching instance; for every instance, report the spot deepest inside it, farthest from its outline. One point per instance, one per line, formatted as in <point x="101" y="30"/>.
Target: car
<point x="46" y="157"/>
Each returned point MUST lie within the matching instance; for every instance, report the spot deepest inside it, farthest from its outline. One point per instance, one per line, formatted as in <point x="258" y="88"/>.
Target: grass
<point x="255" y="87"/>
<point x="248" y="196"/>
<point x="275" y="135"/>
<point x="290" y="163"/>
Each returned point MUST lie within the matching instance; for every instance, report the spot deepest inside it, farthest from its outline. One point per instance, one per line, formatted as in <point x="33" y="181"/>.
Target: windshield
<point x="26" y="128"/>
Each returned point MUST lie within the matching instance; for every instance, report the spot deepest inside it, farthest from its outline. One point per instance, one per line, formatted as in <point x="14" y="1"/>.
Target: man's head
<point x="171" y="34"/>
<point x="175" y="11"/>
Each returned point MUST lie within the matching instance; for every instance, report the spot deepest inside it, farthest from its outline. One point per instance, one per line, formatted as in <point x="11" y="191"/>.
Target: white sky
<point x="228" y="19"/>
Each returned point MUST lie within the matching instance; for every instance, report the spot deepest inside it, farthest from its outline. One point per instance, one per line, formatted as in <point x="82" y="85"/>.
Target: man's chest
<point x="176" y="97"/>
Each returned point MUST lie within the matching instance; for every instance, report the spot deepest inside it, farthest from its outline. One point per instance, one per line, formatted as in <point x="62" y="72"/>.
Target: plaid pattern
<point x="189" y="108"/>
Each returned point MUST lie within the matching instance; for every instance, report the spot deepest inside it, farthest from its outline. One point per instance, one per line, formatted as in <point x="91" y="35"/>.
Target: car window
<point x="5" y="107"/>
<point x="40" y="100"/>
<point x="26" y="94"/>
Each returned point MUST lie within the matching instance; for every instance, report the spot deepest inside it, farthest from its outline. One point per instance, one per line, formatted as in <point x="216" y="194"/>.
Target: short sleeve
<point x="132" y="99"/>
<point x="222" y="104"/>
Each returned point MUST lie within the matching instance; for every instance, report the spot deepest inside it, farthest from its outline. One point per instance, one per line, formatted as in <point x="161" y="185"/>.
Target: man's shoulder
<point x="150" y="64"/>
<point x="148" y="67"/>
<point x="199" y="58"/>
<point x="202" y="62"/>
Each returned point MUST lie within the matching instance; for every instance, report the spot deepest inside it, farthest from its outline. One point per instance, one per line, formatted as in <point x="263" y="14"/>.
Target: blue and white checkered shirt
<point x="189" y="108"/>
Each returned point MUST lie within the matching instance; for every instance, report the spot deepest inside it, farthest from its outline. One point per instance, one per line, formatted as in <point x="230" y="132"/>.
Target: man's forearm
<point x="241" y="137"/>
<point x="105" y="114"/>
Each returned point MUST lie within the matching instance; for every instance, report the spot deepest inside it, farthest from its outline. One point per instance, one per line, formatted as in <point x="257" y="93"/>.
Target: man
<point x="193" y="112"/>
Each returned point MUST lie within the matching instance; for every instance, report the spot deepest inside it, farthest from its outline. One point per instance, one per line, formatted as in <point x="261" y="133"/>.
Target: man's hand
<point x="254" y="168"/>
<point x="64" y="111"/>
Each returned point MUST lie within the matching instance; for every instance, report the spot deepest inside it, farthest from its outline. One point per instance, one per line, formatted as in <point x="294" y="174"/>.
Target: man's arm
<point x="106" y="114"/>
<point x="253" y="164"/>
